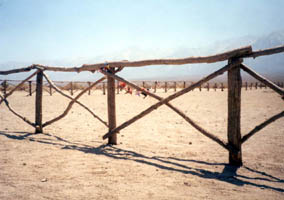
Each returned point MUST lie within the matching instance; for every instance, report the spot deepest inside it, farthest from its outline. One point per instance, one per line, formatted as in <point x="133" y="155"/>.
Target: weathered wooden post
<point x="208" y="86"/>
<point x="234" y="113"/>
<point x="256" y="85"/>
<point x="50" y="90"/>
<point x="111" y="107"/>
<point x="222" y="87"/>
<point x="184" y="84"/>
<point x="200" y="87"/>
<point x="251" y="84"/>
<point x="38" y="102"/>
<point x="155" y="87"/>
<point x="30" y="88"/>
<point x="175" y="86"/>
<point x="117" y="87"/>
<point x="104" y="88"/>
<point x="4" y="87"/>
<point x="166" y="87"/>
<point x="89" y="92"/>
<point x="143" y="84"/>
<point x="71" y="88"/>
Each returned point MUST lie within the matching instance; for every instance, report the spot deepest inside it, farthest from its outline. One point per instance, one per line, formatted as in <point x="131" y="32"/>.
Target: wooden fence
<point x="109" y="70"/>
<point x="165" y="86"/>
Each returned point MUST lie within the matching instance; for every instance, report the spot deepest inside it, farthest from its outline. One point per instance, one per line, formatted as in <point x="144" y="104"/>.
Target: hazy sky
<point x="33" y="30"/>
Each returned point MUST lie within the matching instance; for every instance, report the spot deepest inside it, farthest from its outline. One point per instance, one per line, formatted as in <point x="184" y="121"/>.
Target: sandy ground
<point x="158" y="157"/>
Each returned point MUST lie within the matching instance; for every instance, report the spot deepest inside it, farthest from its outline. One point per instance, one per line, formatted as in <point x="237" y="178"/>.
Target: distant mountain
<point x="270" y="66"/>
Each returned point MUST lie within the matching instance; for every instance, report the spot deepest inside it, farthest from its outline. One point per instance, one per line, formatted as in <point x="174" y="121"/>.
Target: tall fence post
<point x="38" y="102"/>
<point x="234" y="114"/>
<point x="111" y="107"/>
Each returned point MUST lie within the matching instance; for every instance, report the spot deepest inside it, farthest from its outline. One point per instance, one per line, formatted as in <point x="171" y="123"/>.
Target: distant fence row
<point x="30" y="86"/>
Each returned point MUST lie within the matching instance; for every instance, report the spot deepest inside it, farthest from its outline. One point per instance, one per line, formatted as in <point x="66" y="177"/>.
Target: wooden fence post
<point x="175" y="86"/>
<point x="117" y="87"/>
<point x="111" y="107"/>
<point x="256" y="85"/>
<point x="104" y="88"/>
<point x="208" y="86"/>
<point x="4" y="87"/>
<point x="155" y="87"/>
<point x="89" y="92"/>
<point x="38" y="100"/>
<point x="184" y="84"/>
<point x="246" y="85"/>
<point x="222" y="87"/>
<point x="143" y="84"/>
<point x="71" y="88"/>
<point x="50" y="90"/>
<point x="30" y="88"/>
<point x="234" y="114"/>
<point x="166" y="87"/>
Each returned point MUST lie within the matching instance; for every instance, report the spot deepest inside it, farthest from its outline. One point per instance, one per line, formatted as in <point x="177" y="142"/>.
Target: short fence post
<point x="155" y="87"/>
<point x="234" y="114"/>
<point x="184" y="84"/>
<point x="89" y="92"/>
<point x="117" y="87"/>
<point x="222" y="87"/>
<point x="30" y="88"/>
<point x="38" y="100"/>
<point x="175" y="86"/>
<point x="256" y="85"/>
<point x="71" y="88"/>
<point x="50" y="90"/>
<point x="143" y="84"/>
<point x="4" y="87"/>
<point x="111" y="107"/>
<point x="208" y="86"/>
<point x="166" y="87"/>
<point x="200" y="88"/>
<point x="104" y="88"/>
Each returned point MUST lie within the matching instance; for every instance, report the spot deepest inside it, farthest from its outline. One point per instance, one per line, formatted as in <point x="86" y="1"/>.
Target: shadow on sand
<point x="228" y="175"/>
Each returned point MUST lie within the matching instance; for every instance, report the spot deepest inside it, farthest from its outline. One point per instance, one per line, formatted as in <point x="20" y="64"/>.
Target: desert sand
<point x="158" y="157"/>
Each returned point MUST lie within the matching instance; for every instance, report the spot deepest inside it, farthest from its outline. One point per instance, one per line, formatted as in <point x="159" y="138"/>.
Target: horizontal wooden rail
<point x="93" y="67"/>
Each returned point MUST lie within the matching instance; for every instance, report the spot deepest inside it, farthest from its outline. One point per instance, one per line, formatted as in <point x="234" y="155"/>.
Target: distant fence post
<point x="117" y="87"/>
<point x="155" y="87"/>
<point x="175" y="86"/>
<point x="71" y="88"/>
<point x="256" y="85"/>
<point x="38" y="100"/>
<point x="89" y="92"/>
<point x="184" y="84"/>
<point x="4" y="87"/>
<point x="50" y="89"/>
<point x="30" y="88"/>
<point x="104" y="88"/>
<point x="166" y="87"/>
<point x="222" y="87"/>
<point x="208" y="86"/>
<point x="111" y="107"/>
<point x="234" y="114"/>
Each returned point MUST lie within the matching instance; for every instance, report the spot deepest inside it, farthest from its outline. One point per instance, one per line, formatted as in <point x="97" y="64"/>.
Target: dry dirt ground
<point x="158" y="157"/>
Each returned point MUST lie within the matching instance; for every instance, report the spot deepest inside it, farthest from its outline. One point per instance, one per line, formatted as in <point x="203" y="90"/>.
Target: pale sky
<point x="33" y="30"/>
